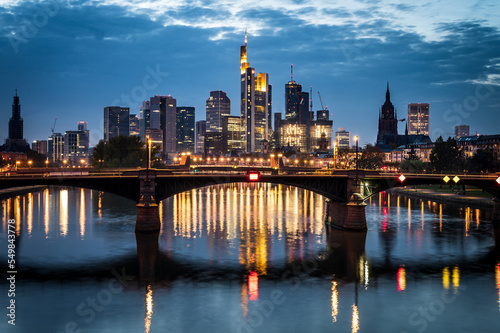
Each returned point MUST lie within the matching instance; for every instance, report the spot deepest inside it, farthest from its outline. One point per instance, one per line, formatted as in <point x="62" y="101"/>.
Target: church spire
<point x="387" y="94"/>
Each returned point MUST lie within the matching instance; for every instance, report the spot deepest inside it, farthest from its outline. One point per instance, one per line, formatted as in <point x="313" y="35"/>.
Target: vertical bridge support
<point x="496" y="210"/>
<point x="148" y="215"/>
<point x="349" y="215"/>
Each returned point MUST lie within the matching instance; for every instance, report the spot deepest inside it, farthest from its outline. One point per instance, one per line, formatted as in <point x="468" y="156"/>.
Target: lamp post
<point x="356" y="139"/>
<point x="334" y="154"/>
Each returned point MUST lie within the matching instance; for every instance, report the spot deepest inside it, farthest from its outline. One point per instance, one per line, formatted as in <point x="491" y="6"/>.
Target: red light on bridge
<point x="253" y="176"/>
<point x="401" y="178"/>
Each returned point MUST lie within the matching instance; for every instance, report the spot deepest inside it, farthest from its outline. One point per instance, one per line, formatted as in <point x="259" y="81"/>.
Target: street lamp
<point x="356" y="139"/>
<point x="334" y="154"/>
<point x="149" y="154"/>
<point x="47" y="163"/>
<point x="65" y="162"/>
<point x="30" y="162"/>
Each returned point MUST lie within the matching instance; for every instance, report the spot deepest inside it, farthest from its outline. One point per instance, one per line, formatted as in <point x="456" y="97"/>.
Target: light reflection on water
<point x="226" y="252"/>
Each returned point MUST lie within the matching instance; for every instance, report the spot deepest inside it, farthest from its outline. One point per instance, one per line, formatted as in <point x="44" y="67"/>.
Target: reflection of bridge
<point x="345" y="189"/>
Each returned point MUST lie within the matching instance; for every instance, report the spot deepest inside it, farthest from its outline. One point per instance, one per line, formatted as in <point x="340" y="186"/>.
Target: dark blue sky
<point x="70" y="59"/>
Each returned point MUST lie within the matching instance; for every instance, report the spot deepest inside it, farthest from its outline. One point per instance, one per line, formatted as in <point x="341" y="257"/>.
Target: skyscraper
<point x="169" y="105"/>
<point x="201" y="127"/>
<point x="387" y="122"/>
<point x="134" y="125"/>
<point x="185" y="129"/>
<point x="218" y="105"/>
<point x="343" y="138"/>
<point x="296" y="100"/>
<point x="418" y="118"/>
<point x="116" y="122"/>
<point x="255" y="104"/>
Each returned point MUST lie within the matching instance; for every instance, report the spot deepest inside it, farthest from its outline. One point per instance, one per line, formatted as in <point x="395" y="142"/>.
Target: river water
<point x="248" y="258"/>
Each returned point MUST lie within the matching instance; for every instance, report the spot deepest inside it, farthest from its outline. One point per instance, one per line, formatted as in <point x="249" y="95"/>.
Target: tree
<point x="343" y="159"/>
<point x="120" y="151"/>
<point x="371" y="158"/>
<point x="483" y="161"/>
<point x="446" y="156"/>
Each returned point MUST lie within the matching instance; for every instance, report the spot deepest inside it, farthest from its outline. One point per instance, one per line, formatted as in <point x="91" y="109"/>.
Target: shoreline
<point x="445" y="197"/>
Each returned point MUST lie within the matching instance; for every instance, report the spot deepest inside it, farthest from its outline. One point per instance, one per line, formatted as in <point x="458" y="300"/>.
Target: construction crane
<point x="322" y="107"/>
<point x="53" y="127"/>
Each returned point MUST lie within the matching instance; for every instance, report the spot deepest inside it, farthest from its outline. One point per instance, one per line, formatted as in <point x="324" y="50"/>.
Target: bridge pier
<point x="347" y="216"/>
<point x="148" y="214"/>
<point x="496" y="210"/>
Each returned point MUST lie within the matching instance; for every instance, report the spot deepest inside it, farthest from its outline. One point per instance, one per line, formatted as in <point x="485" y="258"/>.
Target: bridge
<point x="345" y="190"/>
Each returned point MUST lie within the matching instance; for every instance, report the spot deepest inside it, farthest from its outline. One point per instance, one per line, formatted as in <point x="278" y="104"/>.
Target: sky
<point x="70" y="59"/>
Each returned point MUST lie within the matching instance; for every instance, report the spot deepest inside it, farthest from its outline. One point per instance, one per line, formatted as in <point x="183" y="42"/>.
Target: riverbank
<point x="10" y="192"/>
<point x="445" y="197"/>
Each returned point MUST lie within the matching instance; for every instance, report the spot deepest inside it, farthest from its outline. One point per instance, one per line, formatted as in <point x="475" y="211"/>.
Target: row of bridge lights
<point x="446" y="179"/>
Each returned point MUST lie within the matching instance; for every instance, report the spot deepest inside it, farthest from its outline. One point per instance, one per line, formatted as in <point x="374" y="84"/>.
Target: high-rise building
<point x="233" y="133"/>
<point x="296" y="100"/>
<point x="76" y="146"/>
<point x="461" y="130"/>
<point x="116" y="122"/>
<point x="144" y="120"/>
<point x="218" y="106"/>
<point x="293" y="135"/>
<point x="55" y="147"/>
<point x="387" y="122"/>
<point x="200" y="136"/>
<point x="15" y="142"/>
<point x="185" y="129"/>
<point x="134" y="125"/>
<point x="343" y="138"/>
<point x="256" y="100"/>
<point x="418" y="118"/>
<point x="277" y="125"/>
<point x="40" y="146"/>
<point x="169" y="109"/>
<point x="160" y="113"/>
<point x="320" y="135"/>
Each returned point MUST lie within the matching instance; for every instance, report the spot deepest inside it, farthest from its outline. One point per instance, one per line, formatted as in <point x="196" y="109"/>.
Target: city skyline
<point x="449" y="59"/>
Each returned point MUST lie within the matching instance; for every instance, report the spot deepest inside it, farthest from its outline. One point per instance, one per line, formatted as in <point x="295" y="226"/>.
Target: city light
<point x="253" y="176"/>
<point x="446" y="179"/>
<point x="498" y="180"/>
<point x="401" y="178"/>
<point x="456" y="179"/>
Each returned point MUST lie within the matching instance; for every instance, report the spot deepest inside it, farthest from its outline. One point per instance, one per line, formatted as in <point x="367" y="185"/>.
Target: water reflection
<point x="232" y="245"/>
<point x="149" y="308"/>
<point x="266" y="224"/>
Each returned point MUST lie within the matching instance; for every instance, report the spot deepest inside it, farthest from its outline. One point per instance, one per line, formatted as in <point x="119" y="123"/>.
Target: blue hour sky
<point x="70" y="59"/>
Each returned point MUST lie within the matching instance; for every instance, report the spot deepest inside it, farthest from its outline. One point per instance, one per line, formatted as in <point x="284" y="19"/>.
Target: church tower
<point x="387" y="122"/>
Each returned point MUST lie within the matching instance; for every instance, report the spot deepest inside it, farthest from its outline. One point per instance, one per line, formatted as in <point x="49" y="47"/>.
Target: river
<point x="248" y="258"/>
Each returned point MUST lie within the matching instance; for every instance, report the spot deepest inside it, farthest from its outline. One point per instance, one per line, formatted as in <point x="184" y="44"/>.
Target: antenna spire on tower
<point x="16" y="91"/>
<point x="246" y="36"/>
<point x="291" y="73"/>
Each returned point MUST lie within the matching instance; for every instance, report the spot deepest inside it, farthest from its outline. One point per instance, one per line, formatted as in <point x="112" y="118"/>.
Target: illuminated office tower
<point x="343" y="138"/>
<point x="116" y="122"/>
<point x="134" y="125"/>
<point x="185" y="129"/>
<point x="232" y="133"/>
<point x="296" y="102"/>
<point x="256" y="101"/>
<point x="218" y="106"/>
<point x="201" y="127"/>
<point x="418" y="119"/>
